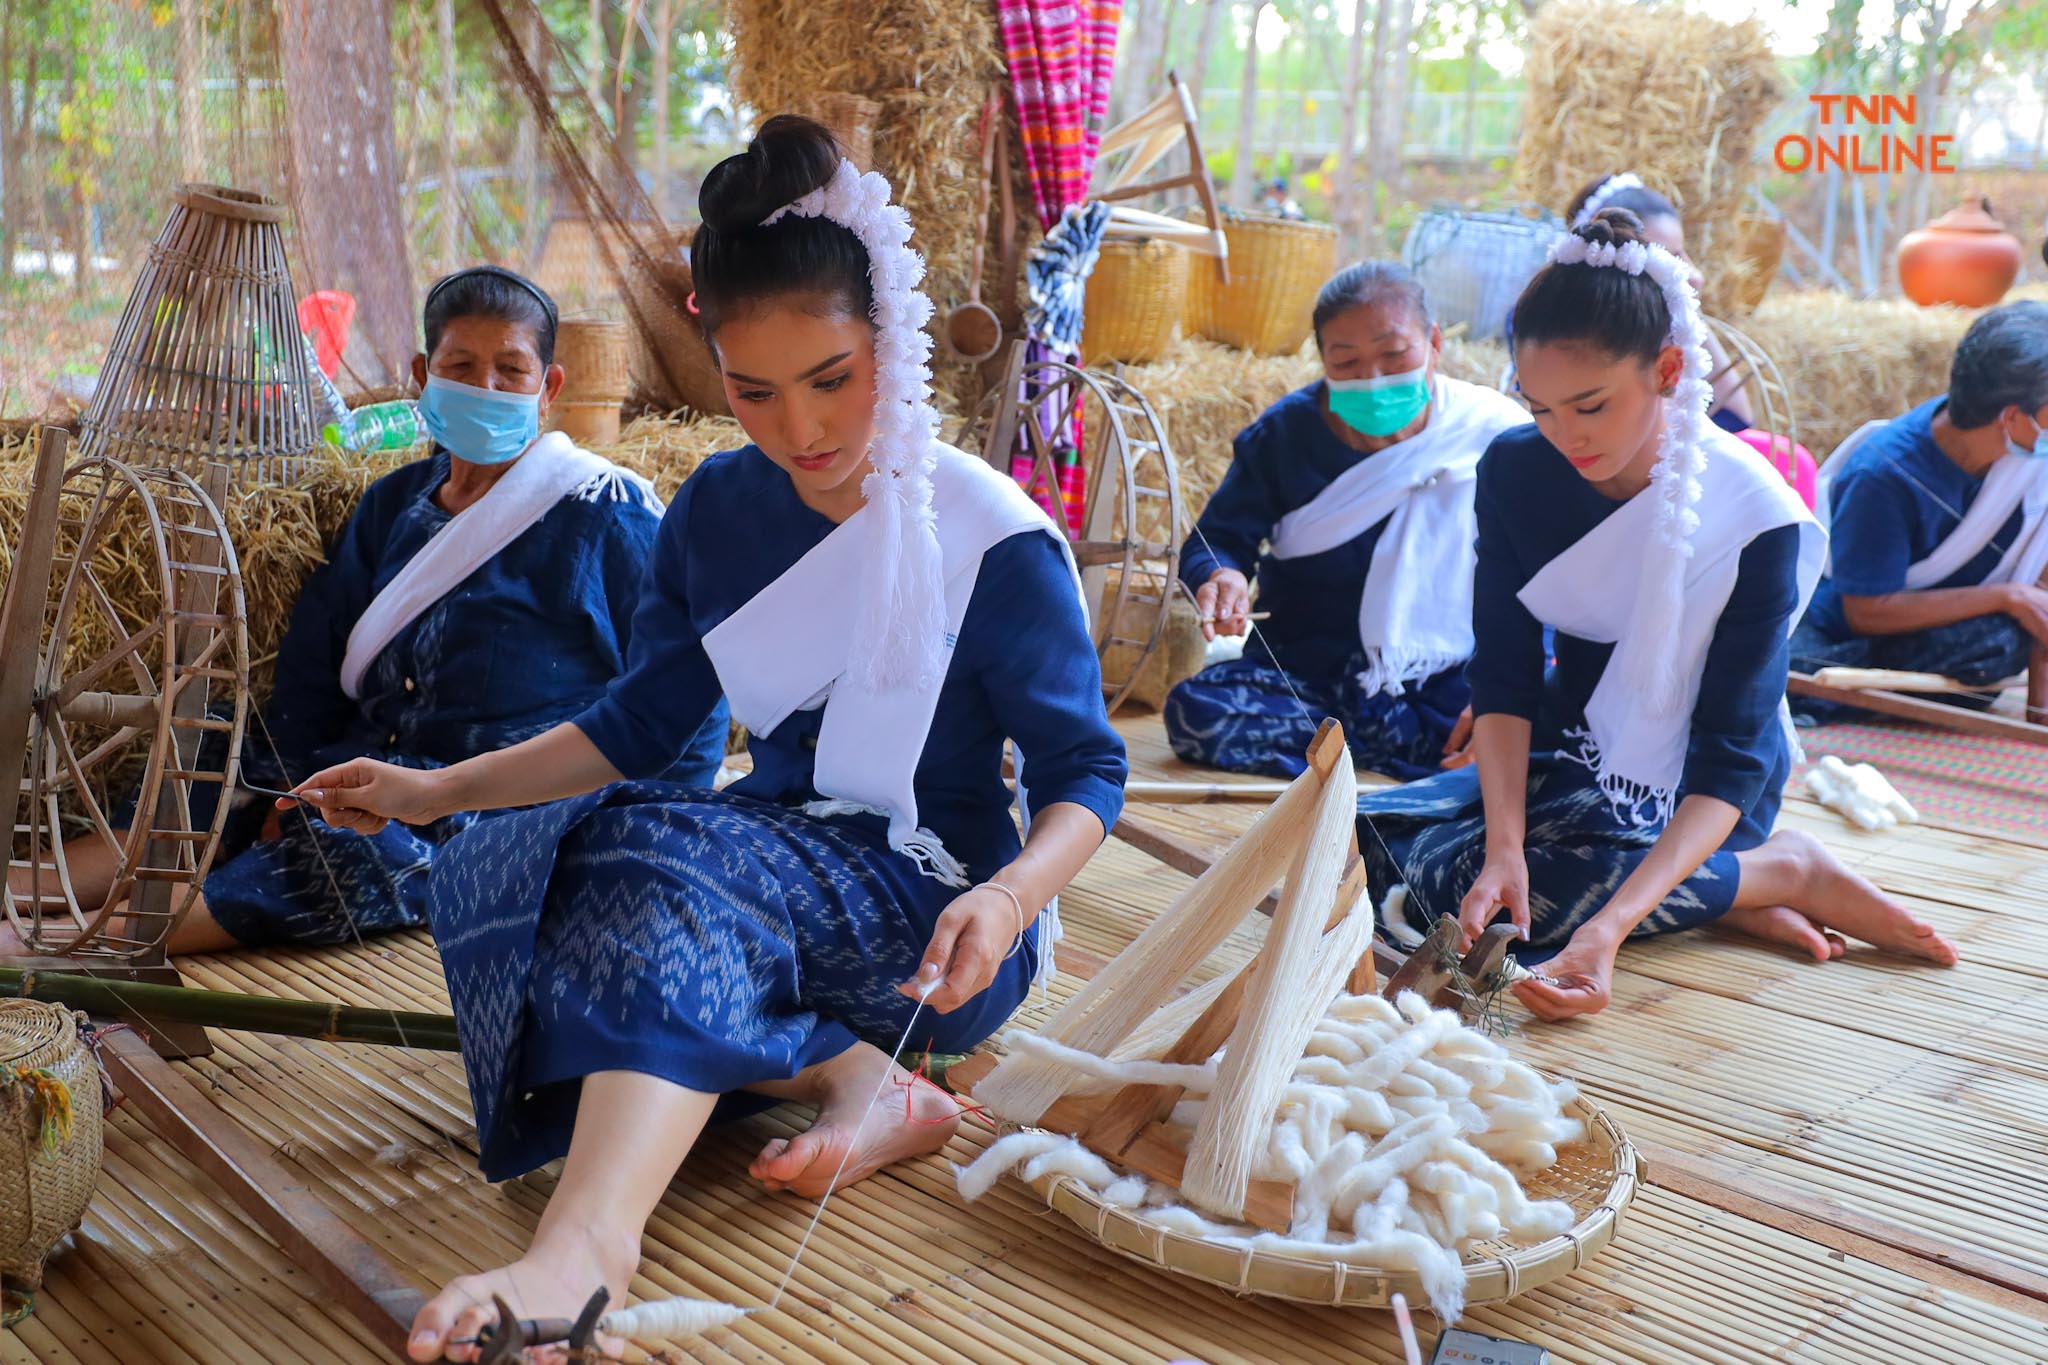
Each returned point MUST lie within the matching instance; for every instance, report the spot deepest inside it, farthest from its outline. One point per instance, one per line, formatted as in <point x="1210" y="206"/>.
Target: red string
<point x="923" y="1074"/>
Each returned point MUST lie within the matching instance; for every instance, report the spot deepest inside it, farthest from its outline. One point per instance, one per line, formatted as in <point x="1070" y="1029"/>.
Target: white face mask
<point x="2038" y="451"/>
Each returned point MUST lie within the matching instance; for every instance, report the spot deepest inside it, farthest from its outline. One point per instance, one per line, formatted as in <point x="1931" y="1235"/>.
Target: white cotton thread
<point x="924" y="993"/>
<point x="674" y="1319"/>
<point x="1402" y="1131"/>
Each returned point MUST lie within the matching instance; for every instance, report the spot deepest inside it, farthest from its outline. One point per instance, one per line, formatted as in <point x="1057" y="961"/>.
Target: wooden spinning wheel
<point x="1133" y="522"/>
<point x="110" y="686"/>
<point x="1770" y="397"/>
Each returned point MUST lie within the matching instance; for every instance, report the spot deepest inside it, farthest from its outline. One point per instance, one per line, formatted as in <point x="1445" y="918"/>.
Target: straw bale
<point x="281" y="533"/>
<point x="930" y="64"/>
<point x="1676" y="97"/>
<point x="1205" y="393"/>
<point x="1849" y="361"/>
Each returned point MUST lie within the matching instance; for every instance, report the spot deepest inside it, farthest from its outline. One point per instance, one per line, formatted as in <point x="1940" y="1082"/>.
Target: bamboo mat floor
<point x="1845" y="1162"/>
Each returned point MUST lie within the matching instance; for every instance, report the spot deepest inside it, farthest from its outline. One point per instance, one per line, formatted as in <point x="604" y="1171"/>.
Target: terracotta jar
<point x="1964" y="257"/>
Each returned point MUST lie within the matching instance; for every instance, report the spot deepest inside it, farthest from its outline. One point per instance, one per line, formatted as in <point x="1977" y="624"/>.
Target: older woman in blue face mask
<point x="476" y="597"/>
<point x="1349" y="503"/>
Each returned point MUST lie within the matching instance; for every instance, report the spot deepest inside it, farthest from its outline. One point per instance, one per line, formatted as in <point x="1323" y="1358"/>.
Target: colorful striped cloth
<point x="1060" y="54"/>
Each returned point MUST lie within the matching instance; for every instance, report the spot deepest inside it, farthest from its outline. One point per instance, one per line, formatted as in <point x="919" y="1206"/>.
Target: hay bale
<point x="1849" y="361"/>
<point x="281" y="534"/>
<point x="930" y="65"/>
<point x="1205" y="394"/>
<point x="1677" y="98"/>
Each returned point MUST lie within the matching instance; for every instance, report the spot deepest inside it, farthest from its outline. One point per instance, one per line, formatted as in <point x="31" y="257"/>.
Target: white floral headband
<point x="901" y="641"/>
<point x="1675" y="482"/>
<point x="1597" y="200"/>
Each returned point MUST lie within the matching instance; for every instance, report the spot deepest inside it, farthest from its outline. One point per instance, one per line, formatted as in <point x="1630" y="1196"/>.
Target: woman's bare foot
<point x="1783" y="925"/>
<point x="555" y="1278"/>
<point x="1832" y="896"/>
<point x="847" y="1130"/>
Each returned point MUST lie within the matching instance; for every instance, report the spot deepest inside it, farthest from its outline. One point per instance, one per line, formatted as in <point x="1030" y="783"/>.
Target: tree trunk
<point x="1344" y="190"/>
<point x="664" y="38"/>
<point x="1276" y="126"/>
<point x="526" y="145"/>
<point x="1471" y="85"/>
<point x="1205" y="45"/>
<point x="336" y="60"/>
<point x="191" y="91"/>
<point x="81" y="211"/>
<point x="2041" y="125"/>
<point x="1241" y="174"/>
<point x="594" y="53"/>
<point x="10" y="148"/>
<point x="1395" y="171"/>
<point x="1376" y="127"/>
<point x="1127" y="95"/>
<point x="1162" y="51"/>
<point x="1920" y="195"/>
<point x="450" y="236"/>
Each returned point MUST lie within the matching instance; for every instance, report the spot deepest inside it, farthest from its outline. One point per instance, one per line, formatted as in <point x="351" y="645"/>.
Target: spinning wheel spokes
<point x="177" y="645"/>
<point x="1127" y="546"/>
<point x="1770" y="396"/>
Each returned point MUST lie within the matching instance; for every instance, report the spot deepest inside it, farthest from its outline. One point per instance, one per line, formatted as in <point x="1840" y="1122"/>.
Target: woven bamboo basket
<point x="43" y="1194"/>
<point x="207" y="361"/>
<point x="1276" y="267"/>
<point x="596" y="361"/>
<point x="1135" y="296"/>
<point x="670" y="362"/>
<point x="1596" y="1177"/>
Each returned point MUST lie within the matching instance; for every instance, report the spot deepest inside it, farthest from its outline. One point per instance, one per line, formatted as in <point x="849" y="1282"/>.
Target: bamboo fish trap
<point x="1318" y="945"/>
<point x="208" y="363"/>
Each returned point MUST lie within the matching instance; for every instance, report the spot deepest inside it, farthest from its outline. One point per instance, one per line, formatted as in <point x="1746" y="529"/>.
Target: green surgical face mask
<point x="1383" y="405"/>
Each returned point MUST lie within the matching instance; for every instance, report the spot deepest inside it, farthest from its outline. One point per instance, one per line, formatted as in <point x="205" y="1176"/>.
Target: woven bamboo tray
<point x="1135" y="296"/>
<point x="1596" y="1177"/>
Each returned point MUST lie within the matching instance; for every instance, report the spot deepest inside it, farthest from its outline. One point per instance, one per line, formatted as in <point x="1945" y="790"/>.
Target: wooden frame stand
<point x="1319" y="943"/>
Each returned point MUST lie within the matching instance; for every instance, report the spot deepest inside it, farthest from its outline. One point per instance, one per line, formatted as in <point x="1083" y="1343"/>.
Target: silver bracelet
<point x="1016" y="901"/>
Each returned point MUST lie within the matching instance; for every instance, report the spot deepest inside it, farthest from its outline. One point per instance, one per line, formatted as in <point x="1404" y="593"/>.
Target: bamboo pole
<point x="147" y="1004"/>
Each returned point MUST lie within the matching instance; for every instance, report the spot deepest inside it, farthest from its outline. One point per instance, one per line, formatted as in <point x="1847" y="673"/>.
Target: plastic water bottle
<point x="379" y="426"/>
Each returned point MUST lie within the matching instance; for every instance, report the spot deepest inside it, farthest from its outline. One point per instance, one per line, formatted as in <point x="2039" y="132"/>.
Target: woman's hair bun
<point x="789" y="157"/>
<point x="1614" y="227"/>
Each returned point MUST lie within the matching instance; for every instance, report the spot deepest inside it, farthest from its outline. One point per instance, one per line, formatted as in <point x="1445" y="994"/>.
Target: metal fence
<point x="1997" y="130"/>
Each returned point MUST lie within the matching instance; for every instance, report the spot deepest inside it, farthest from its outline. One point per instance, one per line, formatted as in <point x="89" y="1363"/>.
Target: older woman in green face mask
<point x="1349" y="503"/>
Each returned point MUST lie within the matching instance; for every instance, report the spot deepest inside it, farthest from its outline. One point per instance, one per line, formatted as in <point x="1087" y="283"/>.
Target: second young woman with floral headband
<point x="882" y="612"/>
<point x="1634" y="789"/>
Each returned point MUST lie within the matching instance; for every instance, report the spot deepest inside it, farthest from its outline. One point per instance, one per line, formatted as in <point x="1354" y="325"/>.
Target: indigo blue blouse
<point x="525" y="642"/>
<point x="1279" y="463"/>
<point x="1896" y="499"/>
<point x="1024" y="668"/>
<point x="1532" y="506"/>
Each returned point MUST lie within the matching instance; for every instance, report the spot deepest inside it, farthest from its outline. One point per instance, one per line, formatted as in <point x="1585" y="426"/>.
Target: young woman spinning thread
<point x="1633" y="790"/>
<point x="882" y="612"/>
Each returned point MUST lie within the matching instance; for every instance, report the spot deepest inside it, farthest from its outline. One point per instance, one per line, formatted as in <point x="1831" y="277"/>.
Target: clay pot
<point x="1964" y="257"/>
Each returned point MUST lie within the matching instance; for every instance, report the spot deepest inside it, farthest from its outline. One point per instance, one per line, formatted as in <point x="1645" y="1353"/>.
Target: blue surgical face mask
<point x="1382" y="405"/>
<point x="2039" y="451"/>
<point x="483" y="426"/>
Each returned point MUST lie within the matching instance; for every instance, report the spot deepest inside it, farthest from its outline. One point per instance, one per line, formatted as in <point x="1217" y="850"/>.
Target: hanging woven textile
<point x="1060" y="54"/>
